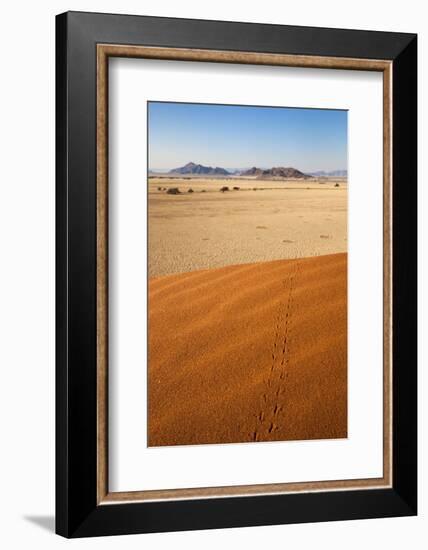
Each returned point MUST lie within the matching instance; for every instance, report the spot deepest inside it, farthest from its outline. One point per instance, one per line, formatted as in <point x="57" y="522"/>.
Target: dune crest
<point x="253" y="352"/>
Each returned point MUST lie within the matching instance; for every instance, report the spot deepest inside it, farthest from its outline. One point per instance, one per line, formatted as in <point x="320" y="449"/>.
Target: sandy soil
<point x="250" y="352"/>
<point x="208" y="229"/>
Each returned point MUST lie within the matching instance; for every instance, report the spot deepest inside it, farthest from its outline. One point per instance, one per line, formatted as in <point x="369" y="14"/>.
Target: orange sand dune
<point x="253" y="352"/>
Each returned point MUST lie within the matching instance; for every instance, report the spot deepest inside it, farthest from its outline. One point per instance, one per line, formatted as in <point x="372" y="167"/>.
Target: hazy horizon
<point x="238" y="137"/>
<point x="233" y="168"/>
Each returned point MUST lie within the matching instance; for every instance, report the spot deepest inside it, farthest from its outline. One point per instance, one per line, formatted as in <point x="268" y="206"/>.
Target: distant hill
<point x="282" y="172"/>
<point x="254" y="171"/>
<point x="192" y="168"/>
<point x="275" y="172"/>
<point x="331" y="174"/>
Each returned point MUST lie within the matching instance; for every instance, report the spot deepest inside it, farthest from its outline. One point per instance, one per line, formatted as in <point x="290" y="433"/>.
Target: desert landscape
<point x="247" y="305"/>
<point x="262" y="220"/>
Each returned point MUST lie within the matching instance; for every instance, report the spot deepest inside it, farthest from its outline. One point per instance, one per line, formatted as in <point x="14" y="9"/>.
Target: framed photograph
<point x="236" y="274"/>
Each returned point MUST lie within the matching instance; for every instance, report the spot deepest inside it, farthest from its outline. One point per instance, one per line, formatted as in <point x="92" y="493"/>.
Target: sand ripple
<point x="254" y="352"/>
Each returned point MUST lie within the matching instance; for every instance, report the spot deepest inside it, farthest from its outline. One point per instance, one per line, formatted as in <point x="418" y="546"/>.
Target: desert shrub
<point x="236" y="188"/>
<point x="190" y="190"/>
<point x="173" y="191"/>
<point x="159" y="188"/>
<point x="224" y="188"/>
<point x="336" y="185"/>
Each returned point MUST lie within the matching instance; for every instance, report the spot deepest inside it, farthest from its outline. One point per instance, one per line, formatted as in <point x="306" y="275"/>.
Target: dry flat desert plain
<point x="247" y="310"/>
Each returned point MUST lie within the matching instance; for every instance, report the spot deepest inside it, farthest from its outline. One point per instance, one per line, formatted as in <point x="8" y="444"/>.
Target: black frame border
<point x="77" y="512"/>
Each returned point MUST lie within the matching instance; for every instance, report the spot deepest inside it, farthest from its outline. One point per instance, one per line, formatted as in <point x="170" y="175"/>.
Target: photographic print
<point x="247" y="266"/>
<point x="229" y="349"/>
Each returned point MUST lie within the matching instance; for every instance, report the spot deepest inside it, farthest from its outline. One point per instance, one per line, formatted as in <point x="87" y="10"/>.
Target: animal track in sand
<point x="268" y="418"/>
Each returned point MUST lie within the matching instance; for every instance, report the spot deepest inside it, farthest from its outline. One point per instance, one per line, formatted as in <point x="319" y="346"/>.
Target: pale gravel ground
<point x="197" y="230"/>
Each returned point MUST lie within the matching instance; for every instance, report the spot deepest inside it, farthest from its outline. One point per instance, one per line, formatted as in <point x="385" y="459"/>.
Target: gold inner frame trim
<point x="104" y="51"/>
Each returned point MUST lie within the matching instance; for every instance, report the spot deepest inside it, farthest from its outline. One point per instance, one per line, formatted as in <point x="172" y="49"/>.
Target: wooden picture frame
<point x="84" y="504"/>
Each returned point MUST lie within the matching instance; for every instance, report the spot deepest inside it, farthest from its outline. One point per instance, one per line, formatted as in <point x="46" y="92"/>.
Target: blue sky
<point x="233" y="136"/>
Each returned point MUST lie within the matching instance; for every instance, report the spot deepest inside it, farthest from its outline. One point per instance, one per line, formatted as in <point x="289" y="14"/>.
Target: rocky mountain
<point x="192" y="168"/>
<point x="282" y="172"/>
<point x="254" y="171"/>
<point x="275" y="172"/>
<point x="279" y="172"/>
